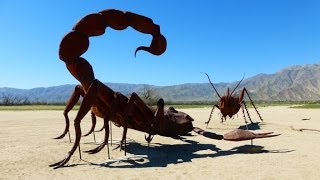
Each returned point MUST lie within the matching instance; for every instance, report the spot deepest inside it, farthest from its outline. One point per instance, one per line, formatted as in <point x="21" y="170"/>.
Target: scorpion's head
<point x="178" y="123"/>
<point x="178" y="116"/>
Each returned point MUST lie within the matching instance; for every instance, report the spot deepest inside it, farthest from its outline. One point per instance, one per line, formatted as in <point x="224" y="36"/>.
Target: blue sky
<point x="225" y="38"/>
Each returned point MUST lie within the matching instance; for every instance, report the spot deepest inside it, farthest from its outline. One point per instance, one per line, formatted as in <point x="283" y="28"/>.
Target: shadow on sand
<point x="251" y="126"/>
<point x="161" y="155"/>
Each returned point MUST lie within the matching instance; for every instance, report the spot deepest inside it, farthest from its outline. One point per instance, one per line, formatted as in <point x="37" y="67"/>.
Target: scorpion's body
<point x="100" y="109"/>
<point x="112" y="106"/>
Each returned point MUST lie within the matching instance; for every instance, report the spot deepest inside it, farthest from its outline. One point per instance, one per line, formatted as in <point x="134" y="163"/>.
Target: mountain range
<point x="295" y="83"/>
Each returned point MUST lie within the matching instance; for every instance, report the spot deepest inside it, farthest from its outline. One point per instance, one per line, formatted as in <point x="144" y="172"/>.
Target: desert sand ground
<point x="26" y="149"/>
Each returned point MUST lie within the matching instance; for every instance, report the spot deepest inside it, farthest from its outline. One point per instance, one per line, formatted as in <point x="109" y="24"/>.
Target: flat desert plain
<point x="27" y="148"/>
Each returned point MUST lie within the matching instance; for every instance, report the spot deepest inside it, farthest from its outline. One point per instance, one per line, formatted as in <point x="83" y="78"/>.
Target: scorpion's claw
<point x="241" y="135"/>
<point x="149" y="138"/>
<point x="96" y="150"/>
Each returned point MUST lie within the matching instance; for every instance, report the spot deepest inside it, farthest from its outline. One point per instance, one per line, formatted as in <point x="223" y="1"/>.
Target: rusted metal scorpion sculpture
<point x="229" y="104"/>
<point x="131" y="112"/>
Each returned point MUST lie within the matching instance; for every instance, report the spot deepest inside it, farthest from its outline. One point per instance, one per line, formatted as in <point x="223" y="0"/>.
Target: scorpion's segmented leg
<point x="130" y="105"/>
<point x="150" y="116"/>
<point x="85" y="106"/>
<point x="133" y="102"/>
<point x="110" y="130"/>
<point x="99" y="130"/>
<point x="93" y="125"/>
<point x="136" y="102"/>
<point x="78" y="91"/>
<point x="210" y="116"/>
<point x="114" y="107"/>
<point x="110" y="127"/>
<point x="159" y="116"/>
<point x="123" y="142"/>
<point x="105" y="142"/>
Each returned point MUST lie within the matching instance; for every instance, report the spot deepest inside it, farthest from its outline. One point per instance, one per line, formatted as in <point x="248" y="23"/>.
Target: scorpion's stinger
<point x="143" y="48"/>
<point x="157" y="47"/>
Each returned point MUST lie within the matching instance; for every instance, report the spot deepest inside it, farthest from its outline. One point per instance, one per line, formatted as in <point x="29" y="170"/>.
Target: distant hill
<point x="294" y="83"/>
<point x="57" y="94"/>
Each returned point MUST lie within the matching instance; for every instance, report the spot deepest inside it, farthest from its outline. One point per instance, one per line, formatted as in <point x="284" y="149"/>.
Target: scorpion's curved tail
<point x="76" y="42"/>
<point x="235" y="135"/>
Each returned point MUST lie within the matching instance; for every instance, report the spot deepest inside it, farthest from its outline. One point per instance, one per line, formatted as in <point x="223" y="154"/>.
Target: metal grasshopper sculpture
<point x="230" y="104"/>
<point x="103" y="102"/>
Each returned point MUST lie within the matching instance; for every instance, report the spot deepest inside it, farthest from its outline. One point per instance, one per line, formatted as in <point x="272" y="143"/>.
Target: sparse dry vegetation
<point x="11" y="100"/>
